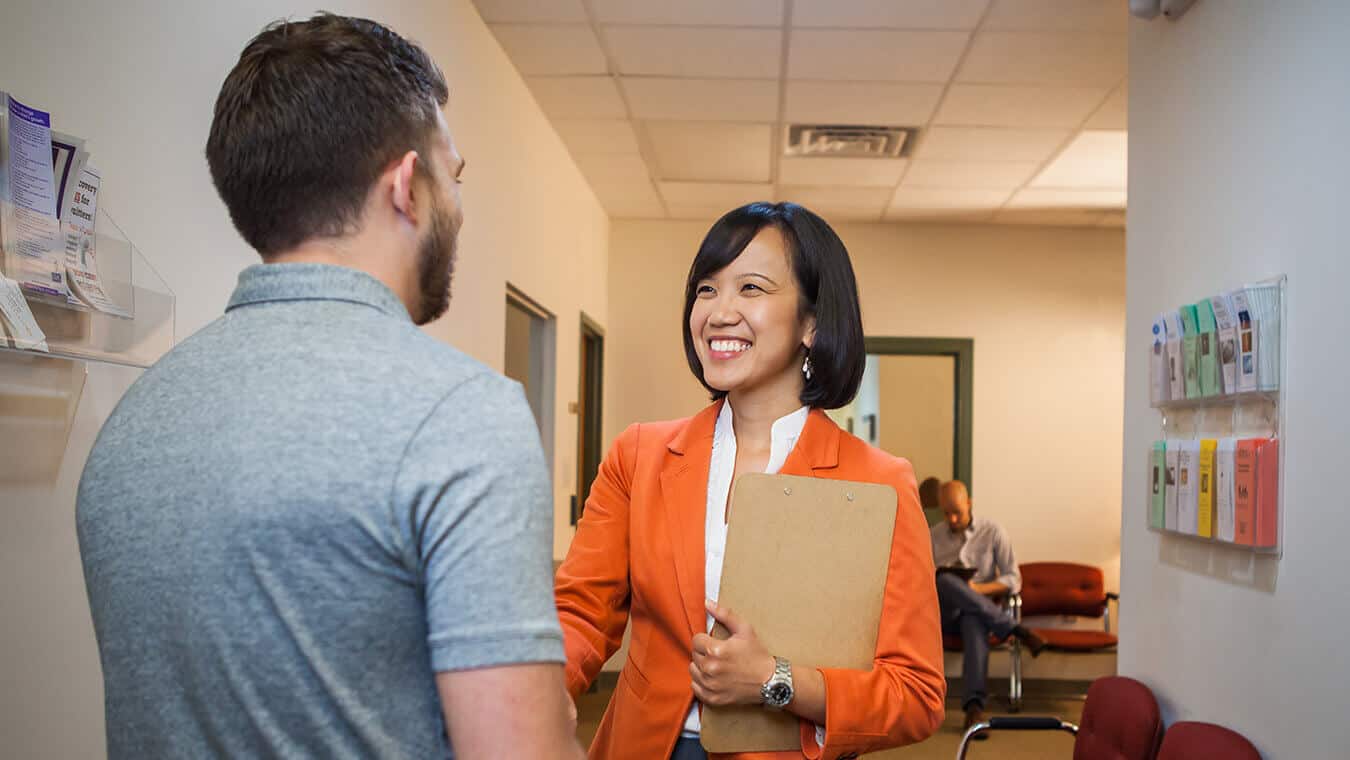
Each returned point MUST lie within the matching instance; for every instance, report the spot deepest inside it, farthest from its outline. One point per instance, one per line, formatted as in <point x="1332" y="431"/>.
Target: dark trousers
<point x="975" y="617"/>
<point x="688" y="749"/>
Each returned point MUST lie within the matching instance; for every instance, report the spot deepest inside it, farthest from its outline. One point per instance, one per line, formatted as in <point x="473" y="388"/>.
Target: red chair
<point x="1188" y="740"/>
<point x="1121" y="721"/>
<point x="1065" y="588"/>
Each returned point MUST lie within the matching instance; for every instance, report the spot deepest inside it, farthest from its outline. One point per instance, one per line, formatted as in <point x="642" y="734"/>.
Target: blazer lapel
<point x="817" y="449"/>
<point x="684" y="486"/>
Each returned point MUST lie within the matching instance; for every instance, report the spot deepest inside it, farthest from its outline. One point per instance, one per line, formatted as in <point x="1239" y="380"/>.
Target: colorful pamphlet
<point x="1172" y="448"/>
<point x="1210" y="384"/>
<point x="1157" y="500"/>
<point x="1204" y="513"/>
<point x="1190" y="350"/>
<point x="1188" y="487"/>
<point x="1246" y="341"/>
<point x="1224" y="467"/>
<point x="1159" y="389"/>
<point x="1228" y="353"/>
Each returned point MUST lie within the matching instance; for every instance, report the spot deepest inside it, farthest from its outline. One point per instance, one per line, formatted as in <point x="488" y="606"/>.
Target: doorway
<point x="916" y="402"/>
<point x="530" y="357"/>
<point x="590" y="400"/>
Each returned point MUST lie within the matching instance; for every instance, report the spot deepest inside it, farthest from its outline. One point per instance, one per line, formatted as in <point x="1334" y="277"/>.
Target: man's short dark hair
<point x="307" y="120"/>
<point x="829" y="292"/>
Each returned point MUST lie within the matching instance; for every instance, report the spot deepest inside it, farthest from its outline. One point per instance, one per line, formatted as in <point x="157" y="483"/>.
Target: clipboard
<point x="806" y="564"/>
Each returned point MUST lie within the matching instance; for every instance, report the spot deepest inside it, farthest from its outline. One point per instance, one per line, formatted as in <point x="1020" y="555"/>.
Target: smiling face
<point x="745" y="321"/>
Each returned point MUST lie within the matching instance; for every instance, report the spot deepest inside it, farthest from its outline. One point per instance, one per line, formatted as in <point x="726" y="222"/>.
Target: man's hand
<point x="730" y="672"/>
<point x="993" y="588"/>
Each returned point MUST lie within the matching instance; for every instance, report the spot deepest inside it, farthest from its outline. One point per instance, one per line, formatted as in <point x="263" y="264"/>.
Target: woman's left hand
<point x="730" y="671"/>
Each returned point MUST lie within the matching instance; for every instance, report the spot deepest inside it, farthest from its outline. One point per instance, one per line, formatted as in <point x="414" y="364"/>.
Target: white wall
<point x="139" y="80"/>
<point x="1044" y="306"/>
<point x="1238" y="160"/>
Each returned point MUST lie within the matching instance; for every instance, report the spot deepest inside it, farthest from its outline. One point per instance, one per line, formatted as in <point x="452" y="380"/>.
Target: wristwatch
<point x="777" y="692"/>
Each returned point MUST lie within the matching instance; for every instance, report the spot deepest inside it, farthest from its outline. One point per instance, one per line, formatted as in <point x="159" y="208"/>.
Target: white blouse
<point x="722" y="469"/>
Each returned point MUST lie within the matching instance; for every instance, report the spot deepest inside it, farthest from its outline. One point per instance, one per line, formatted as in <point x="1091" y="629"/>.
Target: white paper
<point x="1225" y="467"/>
<point x="1188" y="486"/>
<point x="82" y="245"/>
<point x="32" y="233"/>
<point x="1160" y="387"/>
<point x="1226" y="319"/>
<point x="1246" y="341"/>
<point x="19" y="318"/>
<point x="1264" y="299"/>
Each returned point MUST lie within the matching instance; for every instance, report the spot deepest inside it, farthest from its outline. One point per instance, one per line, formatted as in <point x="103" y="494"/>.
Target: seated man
<point x="968" y="607"/>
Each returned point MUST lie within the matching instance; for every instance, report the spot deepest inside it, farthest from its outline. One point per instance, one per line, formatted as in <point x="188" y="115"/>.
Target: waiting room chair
<point x="1121" y="721"/>
<point x="1066" y="588"/>
<point x="1189" y="740"/>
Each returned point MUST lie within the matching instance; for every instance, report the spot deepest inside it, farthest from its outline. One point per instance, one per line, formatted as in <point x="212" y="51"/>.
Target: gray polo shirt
<point x="298" y="516"/>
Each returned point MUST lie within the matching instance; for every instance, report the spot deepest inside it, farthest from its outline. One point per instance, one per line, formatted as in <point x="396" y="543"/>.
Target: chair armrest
<point x="1014" y="723"/>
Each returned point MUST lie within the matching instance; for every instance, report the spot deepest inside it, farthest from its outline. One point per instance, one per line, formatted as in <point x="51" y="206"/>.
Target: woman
<point x="773" y="329"/>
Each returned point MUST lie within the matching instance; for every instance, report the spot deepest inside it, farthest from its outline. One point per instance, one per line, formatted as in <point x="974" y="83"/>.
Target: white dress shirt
<point x="721" y="471"/>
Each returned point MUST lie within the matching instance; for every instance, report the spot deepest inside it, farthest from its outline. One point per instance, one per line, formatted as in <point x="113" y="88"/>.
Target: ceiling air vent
<point x="849" y="141"/>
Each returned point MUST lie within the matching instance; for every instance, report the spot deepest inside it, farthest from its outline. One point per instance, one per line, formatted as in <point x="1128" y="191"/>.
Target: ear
<point x="403" y="185"/>
<point x="809" y="331"/>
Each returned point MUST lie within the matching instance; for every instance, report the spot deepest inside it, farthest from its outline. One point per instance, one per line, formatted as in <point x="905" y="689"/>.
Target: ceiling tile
<point x="871" y="55"/>
<point x="884" y="172"/>
<point x="659" y="98"/>
<point x="901" y="104"/>
<point x="638" y="202"/>
<point x="990" y="144"/>
<point x="717" y="53"/>
<point x="723" y="195"/>
<point x="622" y="184"/>
<point x="874" y="14"/>
<point x="910" y="202"/>
<point x="1114" y="113"/>
<point x="690" y="12"/>
<point x="1050" y="217"/>
<point x="1045" y="58"/>
<point x="532" y="11"/>
<point x="710" y="152"/>
<point x="1058" y="16"/>
<point x="699" y="213"/>
<point x="578" y="97"/>
<point x="1018" y="105"/>
<point x="551" y="49"/>
<point x="1004" y="176"/>
<point x="597" y="135"/>
<point x="1095" y="159"/>
<point x="839" y="203"/>
<point x="1061" y="199"/>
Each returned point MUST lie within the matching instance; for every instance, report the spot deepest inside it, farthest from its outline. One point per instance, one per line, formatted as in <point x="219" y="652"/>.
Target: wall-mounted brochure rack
<point x="98" y="299"/>
<point x="1216" y="473"/>
<point x="64" y="301"/>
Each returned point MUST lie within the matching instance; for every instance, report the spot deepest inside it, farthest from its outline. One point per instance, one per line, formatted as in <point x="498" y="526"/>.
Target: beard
<point x="436" y="267"/>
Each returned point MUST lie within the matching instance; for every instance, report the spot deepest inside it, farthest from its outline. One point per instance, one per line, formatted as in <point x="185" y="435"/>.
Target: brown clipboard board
<point x="806" y="564"/>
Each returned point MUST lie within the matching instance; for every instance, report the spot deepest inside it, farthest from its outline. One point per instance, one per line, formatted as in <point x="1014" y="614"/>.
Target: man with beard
<point x="311" y="530"/>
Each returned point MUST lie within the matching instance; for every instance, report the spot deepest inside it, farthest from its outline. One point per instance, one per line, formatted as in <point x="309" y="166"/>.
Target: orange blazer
<point x="639" y="555"/>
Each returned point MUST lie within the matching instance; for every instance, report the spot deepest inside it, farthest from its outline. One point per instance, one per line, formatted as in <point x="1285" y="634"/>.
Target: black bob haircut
<point x="829" y="292"/>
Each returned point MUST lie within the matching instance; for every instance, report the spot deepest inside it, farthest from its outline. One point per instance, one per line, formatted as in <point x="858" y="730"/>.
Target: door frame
<point x="590" y="330"/>
<point x="962" y="351"/>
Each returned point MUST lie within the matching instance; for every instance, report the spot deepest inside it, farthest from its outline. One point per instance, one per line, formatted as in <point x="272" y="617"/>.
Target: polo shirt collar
<point x="269" y="283"/>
